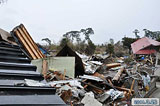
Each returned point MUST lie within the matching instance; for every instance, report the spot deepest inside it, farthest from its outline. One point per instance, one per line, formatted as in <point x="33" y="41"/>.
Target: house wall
<point x="58" y="64"/>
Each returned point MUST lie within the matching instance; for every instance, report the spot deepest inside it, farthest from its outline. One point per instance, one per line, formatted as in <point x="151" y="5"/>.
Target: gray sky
<point x="108" y="18"/>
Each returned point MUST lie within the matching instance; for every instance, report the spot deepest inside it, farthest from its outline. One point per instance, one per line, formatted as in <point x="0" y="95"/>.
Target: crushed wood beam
<point x="96" y="74"/>
<point x="66" y="95"/>
<point x="118" y="74"/>
<point x="44" y="68"/>
<point x="92" y="85"/>
<point x="132" y="87"/>
<point x="64" y="74"/>
<point x="123" y="89"/>
<point x="112" y="65"/>
<point x="110" y="82"/>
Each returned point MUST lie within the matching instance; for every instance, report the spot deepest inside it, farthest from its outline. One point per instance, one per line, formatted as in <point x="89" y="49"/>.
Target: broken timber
<point x="112" y="65"/>
<point x="118" y="74"/>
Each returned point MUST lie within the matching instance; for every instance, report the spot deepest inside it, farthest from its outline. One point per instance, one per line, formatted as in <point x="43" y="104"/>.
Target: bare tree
<point x="47" y="40"/>
<point x="87" y="32"/>
<point x="136" y="33"/>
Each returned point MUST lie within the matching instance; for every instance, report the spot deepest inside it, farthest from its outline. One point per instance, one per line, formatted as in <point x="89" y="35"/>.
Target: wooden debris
<point x="89" y="84"/>
<point x="112" y="65"/>
<point x="110" y="82"/>
<point x="96" y="74"/>
<point x="64" y="74"/>
<point x="124" y="89"/>
<point x="59" y="76"/>
<point x="45" y="68"/>
<point x="130" y="91"/>
<point x="117" y="76"/>
<point x="66" y="95"/>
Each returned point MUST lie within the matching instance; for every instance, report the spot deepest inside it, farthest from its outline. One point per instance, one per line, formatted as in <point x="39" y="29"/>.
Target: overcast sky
<point x="108" y="18"/>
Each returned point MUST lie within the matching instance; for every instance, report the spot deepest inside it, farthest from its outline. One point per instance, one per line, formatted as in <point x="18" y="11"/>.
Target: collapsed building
<point x="68" y="52"/>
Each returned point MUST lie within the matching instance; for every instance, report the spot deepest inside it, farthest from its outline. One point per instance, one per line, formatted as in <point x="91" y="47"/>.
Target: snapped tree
<point x="136" y="31"/>
<point x="47" y="40"/>
<point x="152" y="34"/>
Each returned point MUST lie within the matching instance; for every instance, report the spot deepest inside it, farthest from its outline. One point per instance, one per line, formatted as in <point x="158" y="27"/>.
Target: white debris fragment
<point x="65" y="88"/>
<point x="76" y="92"/>
<point x="29" y="82"/>
<point x="82" y="56"/>
<point x="89" y="69"/>
<point x="73" y="83"/>
<point x="96" y="62"/>
<point x="91" y="94"/>
<point x="115" y="94"/>
<point x="90" y="101"/>
<point x="91" y="77"/>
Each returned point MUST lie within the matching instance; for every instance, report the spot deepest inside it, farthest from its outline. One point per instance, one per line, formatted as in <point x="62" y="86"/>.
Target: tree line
<point x="75" y="41"/>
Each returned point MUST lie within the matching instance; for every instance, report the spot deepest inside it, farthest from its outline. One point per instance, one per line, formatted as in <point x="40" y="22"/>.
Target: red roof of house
<point x="143" y="43"/>
<point x="146" y="51"/>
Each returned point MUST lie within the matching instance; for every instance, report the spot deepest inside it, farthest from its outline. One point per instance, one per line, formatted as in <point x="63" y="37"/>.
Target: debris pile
<point x="103" y="84"/>
<point x="98" y="80"/>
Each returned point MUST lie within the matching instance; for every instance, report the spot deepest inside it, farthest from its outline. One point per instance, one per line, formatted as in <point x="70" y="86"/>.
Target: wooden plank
<point x="96" y="74"/>
<point x="89" y="84"/>
<point x="24" y="43"/>
<point x="64" y="74"/>
<point x="112" y="65"/>
<point x="132" y="85"/>
<point x="28" y="43"/>
<point x="118" y="74"/>
<point x="123" y="89"/>
<point x="44" y="68"/>
<point x="110" y="82"/>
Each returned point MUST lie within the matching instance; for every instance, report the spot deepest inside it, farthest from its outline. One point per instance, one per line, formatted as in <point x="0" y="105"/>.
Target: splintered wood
<point x="118" y="74"/>
<point x="44" y="68"/>
<point x="112" y="65"/>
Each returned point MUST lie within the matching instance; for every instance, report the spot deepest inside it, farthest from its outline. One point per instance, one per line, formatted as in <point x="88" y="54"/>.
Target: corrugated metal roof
<point x="143" y="43"/>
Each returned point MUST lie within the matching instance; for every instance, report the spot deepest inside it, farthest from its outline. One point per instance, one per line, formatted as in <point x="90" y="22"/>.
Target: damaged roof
<point x="5" y="36"/>
<point x="67" y="51"/>
<point x="143" y="43"/>
<point x="24" y="39"/>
